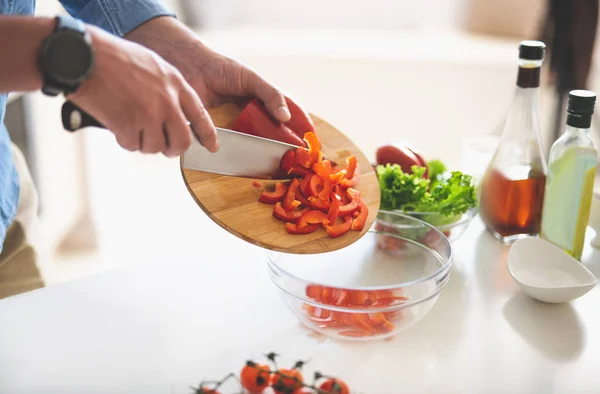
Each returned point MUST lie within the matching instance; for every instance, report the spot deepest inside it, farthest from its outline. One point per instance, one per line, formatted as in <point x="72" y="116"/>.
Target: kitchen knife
<point x="239" y="154"/>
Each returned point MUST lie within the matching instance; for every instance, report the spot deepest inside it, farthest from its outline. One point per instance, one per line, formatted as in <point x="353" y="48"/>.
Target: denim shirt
<point x="115" y="16"/>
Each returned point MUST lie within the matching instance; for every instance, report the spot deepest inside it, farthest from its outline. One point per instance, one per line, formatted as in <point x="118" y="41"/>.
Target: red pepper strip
<point x="337" y="230"/>
<point x="311" y="217"/>
<point x="314" y="292"/>
<point x="362" y="322"/>
<point x="346" y="183"/>
<point x="341" y="297"/>
<point x="355" y="214"/>
<point x="303" y="158"/>
<point x="354" y="334"/>
<point x="361" y="298"/>
<point x="327" y="165"/>
<point x="287" y="161"/>
<point x="257" y="184"/>
<point x="289" y="201"/>
<point x="359" y="222"/>
<point x="293" y="229"/>
<point x="314" y="148"/>
<point x="292" y="216"/>
<point x="305" y="183"/>
<point x="275" y="196"/>
<point x="334" y="209"/>
<point x="300" y="197"/>
<point x="393" y="316"/>
<point x="348" y="209"/>
<point x="381" y="323"/>
<point x="337" y="177"/>
<point x="351" y="160"/>
<point x="326" y="295"/>
<point x="313" y="188"/>
<point x="340" y="192"/>
<point x="321" y="170"/>
<point x="319" y="204"/>
<point x="342" y="317"/>
<point x="300" y="171"/>
<point x="317" y="312"/>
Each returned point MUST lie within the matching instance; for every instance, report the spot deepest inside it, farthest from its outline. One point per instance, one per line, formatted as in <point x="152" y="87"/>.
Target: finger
<point x="153" y="140"/>
<point x="128" y="141"/>
<point x="273" y="99"/>
<point x="199" y="119"/>
<point x="178" y="134"/>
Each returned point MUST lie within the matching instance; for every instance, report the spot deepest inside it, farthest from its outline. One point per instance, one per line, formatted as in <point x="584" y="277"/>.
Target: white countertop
<point x="158" y="327"/>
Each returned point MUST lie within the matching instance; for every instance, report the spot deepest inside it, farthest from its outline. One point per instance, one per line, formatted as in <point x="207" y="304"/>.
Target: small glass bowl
<point x="372" y="289"/>
<point x="452" y="228"/>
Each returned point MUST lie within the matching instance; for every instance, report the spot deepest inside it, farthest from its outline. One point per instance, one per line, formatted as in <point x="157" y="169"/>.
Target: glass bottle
<point x="571" y="175"/>
<point x="512" y="187"/>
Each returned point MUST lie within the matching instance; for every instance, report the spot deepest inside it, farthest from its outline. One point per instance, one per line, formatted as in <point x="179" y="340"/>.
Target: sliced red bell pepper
<point x="321" y="170"/>
<point x="300" y="197"/>
<point x="305" y="183"/>
<point x="255" y="120"/>
<point x="289" y="200"/>
<point x="315" y="186"/>
<point x="292" y="216"/>
<point x="359" y="222"/>
<point x="314" y="292"/>
<point x="287" y="161"/>
<point x="314" y="147"/>
<point x="351" y="160"/>
<point x="292" y="228"/>
<point x="348" y="209"/>
<point x="341" y="297"/>
<point x="321" y="205"/>
<point x="381" y="323"/>
<point x="327" y="165"/>
<point x="300" y="171"/>
<point x="300" y="121"/>
<point x="346" y="183"/>
<point x="337" y="230"/>
<point x="303" y="158"/>
<point x="334" y="209"/>
<point x="271" y="198"/>
<point x="342" y="194"/>
<point x="311" y="217"/>
<point x="336" y="178"/>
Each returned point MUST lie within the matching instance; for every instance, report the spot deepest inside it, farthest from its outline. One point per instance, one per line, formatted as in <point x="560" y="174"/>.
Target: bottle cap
<point x="531" y="50"/>
<point x="581" y="102"/>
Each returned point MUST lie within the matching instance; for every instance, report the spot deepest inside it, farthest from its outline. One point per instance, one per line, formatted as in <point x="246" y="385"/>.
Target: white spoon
<point x="547" y="273"/>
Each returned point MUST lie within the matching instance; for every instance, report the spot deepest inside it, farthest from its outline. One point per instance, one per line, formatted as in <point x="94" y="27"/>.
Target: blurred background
<point x="437" y="73"/>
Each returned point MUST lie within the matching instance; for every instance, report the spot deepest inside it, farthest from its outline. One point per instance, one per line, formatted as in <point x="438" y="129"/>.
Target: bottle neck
<point x="577" y="131"/>
<point x="529" y="76"/>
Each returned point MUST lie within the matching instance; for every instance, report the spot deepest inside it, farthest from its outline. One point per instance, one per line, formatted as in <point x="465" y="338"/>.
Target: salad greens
<point x="450" y="195"/>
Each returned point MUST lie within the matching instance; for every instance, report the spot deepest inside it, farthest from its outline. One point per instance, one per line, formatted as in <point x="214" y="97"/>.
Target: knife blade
<point x="239" y="154"/>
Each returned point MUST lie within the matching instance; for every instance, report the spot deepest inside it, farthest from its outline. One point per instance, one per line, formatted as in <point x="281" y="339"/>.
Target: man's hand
<point x="142" y="99"/>
<point x="216" y="78"/>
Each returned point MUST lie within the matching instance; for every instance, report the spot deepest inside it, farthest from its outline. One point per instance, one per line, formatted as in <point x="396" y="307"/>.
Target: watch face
<point x="68" y="57"/>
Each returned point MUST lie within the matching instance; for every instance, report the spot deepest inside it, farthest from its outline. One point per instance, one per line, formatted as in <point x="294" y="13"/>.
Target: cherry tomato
<point x="255" y="377"/>
<point x="335" y="386"/>
<point x="286" y="381"/>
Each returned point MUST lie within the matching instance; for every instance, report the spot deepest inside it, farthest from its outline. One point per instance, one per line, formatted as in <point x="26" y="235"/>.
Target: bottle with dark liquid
<point x="512" y="189"/>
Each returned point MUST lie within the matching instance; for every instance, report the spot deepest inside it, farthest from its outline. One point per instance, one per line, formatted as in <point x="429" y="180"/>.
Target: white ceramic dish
<point x="545" y="272"/>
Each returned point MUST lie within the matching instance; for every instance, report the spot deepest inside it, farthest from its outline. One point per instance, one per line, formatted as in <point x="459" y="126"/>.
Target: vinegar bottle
<point x="512" y="187"/>
<point x="571" y="174"/>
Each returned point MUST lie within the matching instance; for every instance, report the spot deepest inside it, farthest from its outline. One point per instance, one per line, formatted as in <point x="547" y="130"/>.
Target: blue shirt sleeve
<point x="118" y="17"/>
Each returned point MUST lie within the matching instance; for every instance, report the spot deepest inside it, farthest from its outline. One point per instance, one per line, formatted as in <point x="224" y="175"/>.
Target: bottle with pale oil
<point x="570" y="181"/>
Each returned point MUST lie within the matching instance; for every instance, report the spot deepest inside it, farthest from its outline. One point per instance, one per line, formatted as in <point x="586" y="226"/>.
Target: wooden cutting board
<point x="232" y="202"/>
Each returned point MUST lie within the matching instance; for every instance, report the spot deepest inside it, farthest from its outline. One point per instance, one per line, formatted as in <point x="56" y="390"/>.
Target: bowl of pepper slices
<point x="371" y="290"/>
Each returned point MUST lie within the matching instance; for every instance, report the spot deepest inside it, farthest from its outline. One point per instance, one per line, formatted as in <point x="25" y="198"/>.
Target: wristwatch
<point x="66" y="57"/>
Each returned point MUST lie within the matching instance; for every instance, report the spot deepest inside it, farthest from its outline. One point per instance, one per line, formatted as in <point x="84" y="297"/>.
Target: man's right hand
<point x="142" y="99"/>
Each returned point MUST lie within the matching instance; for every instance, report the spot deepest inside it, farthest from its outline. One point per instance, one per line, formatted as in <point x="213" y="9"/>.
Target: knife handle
<point x="74" y="118"/>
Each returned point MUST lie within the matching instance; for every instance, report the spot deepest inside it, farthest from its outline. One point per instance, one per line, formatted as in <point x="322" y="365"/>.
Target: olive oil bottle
<point x="570" y="180"/>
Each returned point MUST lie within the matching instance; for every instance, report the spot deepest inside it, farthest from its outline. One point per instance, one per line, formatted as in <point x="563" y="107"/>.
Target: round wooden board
<point x="232" y="202"/>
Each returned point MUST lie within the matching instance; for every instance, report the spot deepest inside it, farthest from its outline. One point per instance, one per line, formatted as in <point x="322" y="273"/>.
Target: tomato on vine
<point x="286" y="381"/>
<point x="334" y="386"/>
<point x="255" y="377"/>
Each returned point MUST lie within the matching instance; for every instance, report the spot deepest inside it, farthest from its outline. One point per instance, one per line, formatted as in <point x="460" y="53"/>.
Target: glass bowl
<point x="372" y="289"/>
<point x="451" y="227"/>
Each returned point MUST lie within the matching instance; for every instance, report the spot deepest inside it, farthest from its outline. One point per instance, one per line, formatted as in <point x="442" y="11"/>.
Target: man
<point x="143" y="82"/>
